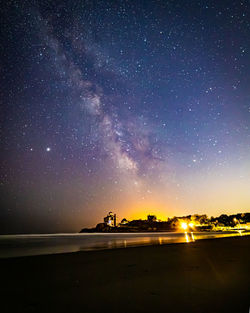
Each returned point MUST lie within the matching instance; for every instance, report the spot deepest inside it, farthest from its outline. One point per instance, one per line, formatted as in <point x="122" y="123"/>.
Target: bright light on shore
<point x="191" y="225"/>
<point x="184" y="225"/>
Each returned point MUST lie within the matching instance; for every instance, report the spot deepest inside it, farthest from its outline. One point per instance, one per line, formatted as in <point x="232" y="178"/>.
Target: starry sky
<point x="135" y="107"/>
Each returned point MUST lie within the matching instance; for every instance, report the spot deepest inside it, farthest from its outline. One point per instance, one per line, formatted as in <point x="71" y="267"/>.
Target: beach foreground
<point x="203" y="276"/>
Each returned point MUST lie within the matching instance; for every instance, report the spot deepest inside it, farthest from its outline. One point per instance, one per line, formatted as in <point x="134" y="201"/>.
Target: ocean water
<point x="37" y="244"/>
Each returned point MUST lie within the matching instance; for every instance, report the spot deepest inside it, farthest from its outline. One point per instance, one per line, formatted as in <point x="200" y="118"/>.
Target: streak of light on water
<point x="37" y="244"/>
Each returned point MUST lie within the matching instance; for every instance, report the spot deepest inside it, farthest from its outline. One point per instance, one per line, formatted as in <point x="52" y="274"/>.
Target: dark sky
<point x="132" y="106"/>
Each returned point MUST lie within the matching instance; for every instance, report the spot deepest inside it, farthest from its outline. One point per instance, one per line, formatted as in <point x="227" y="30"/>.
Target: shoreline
<point x="48" y="244"/>
<point x="124" y="232"/>
<point x="208" y="276"/>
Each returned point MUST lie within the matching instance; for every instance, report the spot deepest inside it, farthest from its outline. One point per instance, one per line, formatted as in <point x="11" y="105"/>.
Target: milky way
<point x="132" y="106"/>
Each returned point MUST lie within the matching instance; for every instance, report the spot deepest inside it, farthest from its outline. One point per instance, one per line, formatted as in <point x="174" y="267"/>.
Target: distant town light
<point x="184" y="225"/>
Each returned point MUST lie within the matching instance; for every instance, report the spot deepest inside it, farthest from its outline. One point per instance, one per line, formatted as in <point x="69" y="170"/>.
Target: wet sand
<point x="202" y="276"/>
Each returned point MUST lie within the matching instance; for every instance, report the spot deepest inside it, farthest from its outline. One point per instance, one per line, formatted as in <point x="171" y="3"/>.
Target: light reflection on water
<point x="22" y="245"/>
<point x="189" y="237"/>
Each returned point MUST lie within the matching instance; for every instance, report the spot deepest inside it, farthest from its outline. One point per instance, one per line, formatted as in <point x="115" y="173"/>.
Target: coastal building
<point x="124" y="221"/>
<point x="152" y="218"/>
<point x="110" y="219"/>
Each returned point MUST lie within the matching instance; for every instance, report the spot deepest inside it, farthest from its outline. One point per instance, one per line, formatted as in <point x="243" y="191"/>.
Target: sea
<point x="38" y="244"/>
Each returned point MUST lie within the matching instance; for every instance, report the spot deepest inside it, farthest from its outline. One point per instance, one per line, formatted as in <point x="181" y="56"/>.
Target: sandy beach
<point x="203" y="276"/>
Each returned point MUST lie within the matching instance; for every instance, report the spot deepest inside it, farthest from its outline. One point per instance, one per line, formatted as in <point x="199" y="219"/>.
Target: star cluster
<point x="131" y="106"/>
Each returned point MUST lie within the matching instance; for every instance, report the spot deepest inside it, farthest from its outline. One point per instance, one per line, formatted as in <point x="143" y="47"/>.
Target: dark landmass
<point x="144" y="227"/>
<point x="200" y="223"/>
<point x="206" y="276"/>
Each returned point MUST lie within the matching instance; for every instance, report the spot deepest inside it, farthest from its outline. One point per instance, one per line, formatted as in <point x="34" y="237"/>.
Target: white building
<point x="110" y="219"/>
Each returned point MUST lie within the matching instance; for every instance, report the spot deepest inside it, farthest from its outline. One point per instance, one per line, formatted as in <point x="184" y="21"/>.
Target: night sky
<point x="135" y="107"/>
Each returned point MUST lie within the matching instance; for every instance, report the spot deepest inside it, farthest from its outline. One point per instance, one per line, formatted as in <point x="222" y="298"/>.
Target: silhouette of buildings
<point x="110" y="219"/>
<point x="124" y="221"/>
<point x="152" y="218"/>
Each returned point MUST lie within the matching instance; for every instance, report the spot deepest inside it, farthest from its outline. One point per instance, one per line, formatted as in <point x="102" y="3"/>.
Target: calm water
<point x="23" y="245"/>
